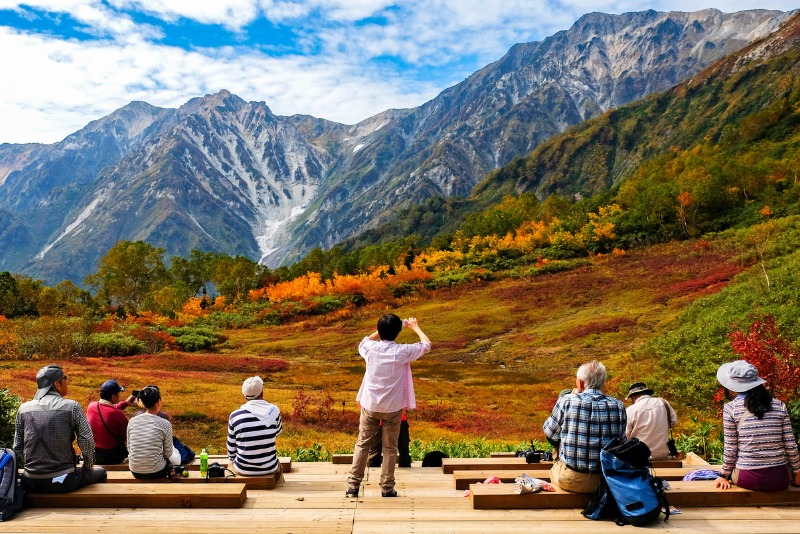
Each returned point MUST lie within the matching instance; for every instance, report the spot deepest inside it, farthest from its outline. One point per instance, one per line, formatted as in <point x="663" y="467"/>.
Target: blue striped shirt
<point x="252" y="431"/>
<point x="582" y="424"/>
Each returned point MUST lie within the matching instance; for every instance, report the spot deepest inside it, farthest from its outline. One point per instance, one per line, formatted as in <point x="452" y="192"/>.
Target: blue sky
<point x="65" y="63"/>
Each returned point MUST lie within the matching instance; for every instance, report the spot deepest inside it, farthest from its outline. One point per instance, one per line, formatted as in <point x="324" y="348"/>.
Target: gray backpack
<point x="11" y="493"/>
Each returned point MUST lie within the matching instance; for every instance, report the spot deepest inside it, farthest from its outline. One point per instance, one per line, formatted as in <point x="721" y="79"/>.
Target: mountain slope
<point x="447" y="145"/>
<point x="709" y="107"/>
<point x="226" y="175"/>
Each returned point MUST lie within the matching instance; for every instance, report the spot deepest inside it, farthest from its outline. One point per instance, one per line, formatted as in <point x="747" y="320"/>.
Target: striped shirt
<point x="757" y="443"/>
<point x="149" y="443"/>
<point x="252" y="431"/>
<point x="582" y="424"/>
<point x="45" y="429"/>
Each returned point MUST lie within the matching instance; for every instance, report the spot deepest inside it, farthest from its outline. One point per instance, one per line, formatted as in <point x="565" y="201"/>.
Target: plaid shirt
<point x="582" y="424"/>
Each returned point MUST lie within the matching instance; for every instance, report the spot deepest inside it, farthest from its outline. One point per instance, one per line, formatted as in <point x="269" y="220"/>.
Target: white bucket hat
<point x="739" y="376"/>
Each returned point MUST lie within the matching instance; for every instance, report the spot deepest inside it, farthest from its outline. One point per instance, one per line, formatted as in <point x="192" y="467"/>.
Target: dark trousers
<point x="164" y="473"/>
<point x="81" y="477"/>
<point x="111" y="456"/>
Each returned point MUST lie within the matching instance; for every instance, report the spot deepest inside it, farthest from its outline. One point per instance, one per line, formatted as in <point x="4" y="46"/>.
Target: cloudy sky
<point x="67" y="62"/>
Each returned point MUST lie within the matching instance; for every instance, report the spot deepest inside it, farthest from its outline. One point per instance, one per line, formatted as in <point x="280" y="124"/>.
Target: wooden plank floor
<point x="312" y="500"/>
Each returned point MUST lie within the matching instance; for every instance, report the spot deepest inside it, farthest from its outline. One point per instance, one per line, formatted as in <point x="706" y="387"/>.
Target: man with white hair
<point x="252" y="431"/>
<point x="580" y="425"/>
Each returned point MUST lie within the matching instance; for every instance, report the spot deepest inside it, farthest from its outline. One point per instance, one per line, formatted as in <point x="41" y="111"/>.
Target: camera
<point x="135" y="393"/>
<point x="215" y="470"/>
<point x="533" y="456"/>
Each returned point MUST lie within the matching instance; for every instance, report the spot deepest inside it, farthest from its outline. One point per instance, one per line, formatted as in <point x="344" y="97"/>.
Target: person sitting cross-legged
<point x="580" y="425"/>
<point x="150" y="451"/>
<point x="45" y="429"/>
<point x="109" y="424"/>
<point x="252" y="431"/>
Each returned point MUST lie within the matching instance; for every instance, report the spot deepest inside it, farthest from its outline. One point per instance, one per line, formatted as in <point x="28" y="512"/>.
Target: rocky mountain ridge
<point x="223" y="174"/>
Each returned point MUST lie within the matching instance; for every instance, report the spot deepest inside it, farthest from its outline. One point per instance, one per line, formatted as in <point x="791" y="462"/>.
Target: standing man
<point x="252" y="431"/>
<point x="386" y="390"/>
<point x="649" y="420"/>
<point x="580" y="425"/>
<point x="109" y="424"/>
<point x="46" y="427"/>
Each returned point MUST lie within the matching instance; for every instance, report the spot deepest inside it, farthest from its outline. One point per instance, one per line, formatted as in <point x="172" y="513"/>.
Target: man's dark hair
<point x="389" y="326"/>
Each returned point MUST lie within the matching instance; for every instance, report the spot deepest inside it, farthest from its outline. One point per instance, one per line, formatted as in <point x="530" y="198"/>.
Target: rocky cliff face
<point x="227" y="175"/>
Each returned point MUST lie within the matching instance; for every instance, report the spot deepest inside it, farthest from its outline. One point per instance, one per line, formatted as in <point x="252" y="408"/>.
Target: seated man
<point x="649" y="420"/>
<point x="580" y="425"/>
<point x="45" y="429"/>
<point x="109" y="424"/>
<point x="150" y="451"/>
<point x="252" y="431"/>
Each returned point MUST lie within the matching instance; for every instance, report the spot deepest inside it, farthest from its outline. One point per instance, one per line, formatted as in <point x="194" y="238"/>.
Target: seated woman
<point x="150" y="451"/>
<point x="760" y="449"/>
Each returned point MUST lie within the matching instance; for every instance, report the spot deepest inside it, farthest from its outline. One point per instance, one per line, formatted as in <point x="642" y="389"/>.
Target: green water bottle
<point x="203" y="463"/>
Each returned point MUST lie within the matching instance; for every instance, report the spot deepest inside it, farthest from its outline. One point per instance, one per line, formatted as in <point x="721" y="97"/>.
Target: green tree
<point x="19" y="295"/>
<point x="128" y="273"/>
<point x="9" y="404"/>
<point x="235" y="277"/>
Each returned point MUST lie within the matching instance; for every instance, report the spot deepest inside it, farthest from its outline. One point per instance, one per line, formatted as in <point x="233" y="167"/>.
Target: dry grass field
<point x="502" y="352"/>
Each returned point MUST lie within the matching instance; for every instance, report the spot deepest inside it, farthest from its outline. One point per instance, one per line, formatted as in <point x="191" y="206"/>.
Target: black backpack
<point x="628" y="493"/>
<point x="11" y="493"/>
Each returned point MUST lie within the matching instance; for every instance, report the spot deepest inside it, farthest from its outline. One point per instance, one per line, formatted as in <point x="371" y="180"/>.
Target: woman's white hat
<point x="739" y="376"/>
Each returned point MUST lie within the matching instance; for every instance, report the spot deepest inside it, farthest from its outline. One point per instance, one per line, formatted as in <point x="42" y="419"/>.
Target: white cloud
<point x="54" y="86"/>
<point x="233" y="14"/>
<point x="59" y="86"/>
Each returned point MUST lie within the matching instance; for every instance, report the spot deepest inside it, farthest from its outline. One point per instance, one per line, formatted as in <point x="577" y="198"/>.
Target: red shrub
<point x="777" y="361"/>
<point x="598" y="327"/>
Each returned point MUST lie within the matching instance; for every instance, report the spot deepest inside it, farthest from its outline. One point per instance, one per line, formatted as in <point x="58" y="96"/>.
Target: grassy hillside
<point x="502" y="352"/>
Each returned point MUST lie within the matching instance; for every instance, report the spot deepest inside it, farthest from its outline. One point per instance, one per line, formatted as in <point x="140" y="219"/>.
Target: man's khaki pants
<point x="367" y="430"/>
<point x="567" y="479"/>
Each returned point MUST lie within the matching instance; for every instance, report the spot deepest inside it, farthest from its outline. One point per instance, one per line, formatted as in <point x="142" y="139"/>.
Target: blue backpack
<point x="628" y="493"/>
<point x="10" y="485"/>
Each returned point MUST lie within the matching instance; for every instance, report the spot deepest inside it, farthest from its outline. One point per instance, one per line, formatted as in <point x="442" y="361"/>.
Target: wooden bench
<point x="286" y="464"/>
<point x="463" y="479"/>
<point x="144" y="496"/>
<point x="485" y="464"/>
<point x="265" y="482"/>
<point x="689" y="494"/>
<point x="342" y="458"/>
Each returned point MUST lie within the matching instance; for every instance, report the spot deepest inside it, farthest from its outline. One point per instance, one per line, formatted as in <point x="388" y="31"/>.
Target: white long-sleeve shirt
<point x="647" y="421"/>
<point x="387" y="386"/>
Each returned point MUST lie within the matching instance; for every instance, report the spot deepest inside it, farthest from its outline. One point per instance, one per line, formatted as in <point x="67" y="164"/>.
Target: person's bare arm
<point x="375" y="336"/>
<point x="412" y="323"/>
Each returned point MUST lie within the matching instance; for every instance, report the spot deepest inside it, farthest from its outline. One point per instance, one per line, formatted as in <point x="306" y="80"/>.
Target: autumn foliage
<point x="777" y="360"/>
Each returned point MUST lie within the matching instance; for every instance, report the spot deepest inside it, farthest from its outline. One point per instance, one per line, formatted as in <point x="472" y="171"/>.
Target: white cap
<point x="252" y="387"/>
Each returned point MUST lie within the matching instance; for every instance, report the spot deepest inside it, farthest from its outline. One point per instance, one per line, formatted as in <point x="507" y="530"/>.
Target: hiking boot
<point x="390" y="493"/>
<point x="351" y="492"/>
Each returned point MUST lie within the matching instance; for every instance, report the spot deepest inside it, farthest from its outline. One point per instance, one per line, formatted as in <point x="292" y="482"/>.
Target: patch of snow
<point x="358" y="147"/>
<point x="103" y="195"/>
<point x="201" y="227"/>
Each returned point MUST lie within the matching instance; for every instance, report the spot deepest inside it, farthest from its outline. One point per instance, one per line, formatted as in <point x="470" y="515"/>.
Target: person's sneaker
<point x="351" y="492"/>
<point x="390" y="493"/>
